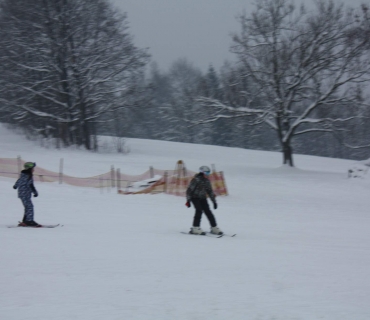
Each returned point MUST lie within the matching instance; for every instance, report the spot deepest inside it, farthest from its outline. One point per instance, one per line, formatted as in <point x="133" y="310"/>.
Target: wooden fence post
<point x="61" y="164"/>
<point x="184" y="172"/>
<point x="19" y="161"/>
<point x="213" y="168"/>
<point x="165" y="177"/>
<point x="113" y="184"/>
<point x="118" y="180"/>
<point x="224" y="182"/>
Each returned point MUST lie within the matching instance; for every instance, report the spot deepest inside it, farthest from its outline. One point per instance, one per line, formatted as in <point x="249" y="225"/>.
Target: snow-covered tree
<point x="304" y="67"/>
<point x="68" y="63"/>
<point x="184" y="80"/>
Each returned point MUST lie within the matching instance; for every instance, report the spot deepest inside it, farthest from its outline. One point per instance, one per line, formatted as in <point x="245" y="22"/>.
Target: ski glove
<point x="36" y="194"/>
<point x="215" y="205"/>
<point x="188" y="204"/>
<point x="14" y="187"/>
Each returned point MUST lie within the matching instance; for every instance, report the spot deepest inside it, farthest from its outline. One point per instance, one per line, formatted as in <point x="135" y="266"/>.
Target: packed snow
<point x="302" y="250"/>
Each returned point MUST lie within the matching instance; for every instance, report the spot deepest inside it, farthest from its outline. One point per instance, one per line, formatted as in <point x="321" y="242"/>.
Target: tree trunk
<point x="86" y="135"/>
<point x="287" y="154"/>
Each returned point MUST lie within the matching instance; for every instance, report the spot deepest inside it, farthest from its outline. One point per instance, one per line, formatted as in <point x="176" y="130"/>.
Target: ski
<point x="224" y="234"/>
<point x="205" y="234"/>
<point x="36" y="227"/>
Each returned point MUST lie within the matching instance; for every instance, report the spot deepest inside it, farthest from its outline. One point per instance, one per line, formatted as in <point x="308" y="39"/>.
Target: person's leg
<point x="28" y="209"/>
<point x="24" y="214"/>
<point x="205" y="207"/>
<point x="198" y="212"/>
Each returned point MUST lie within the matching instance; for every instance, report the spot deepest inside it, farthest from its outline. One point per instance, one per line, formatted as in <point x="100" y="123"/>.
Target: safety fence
<point x="152" y="181"/>
<point x="175" y="182"/>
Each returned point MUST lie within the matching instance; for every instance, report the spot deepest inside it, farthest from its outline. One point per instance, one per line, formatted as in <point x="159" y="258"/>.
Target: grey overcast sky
<point x="198" y="30"/>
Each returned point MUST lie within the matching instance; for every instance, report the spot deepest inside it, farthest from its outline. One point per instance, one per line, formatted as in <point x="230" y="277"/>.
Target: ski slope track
<point x="302" y="250"/>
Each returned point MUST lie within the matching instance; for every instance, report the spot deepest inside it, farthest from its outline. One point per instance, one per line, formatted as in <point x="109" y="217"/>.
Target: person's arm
<point x="16" y="185"/>
<point x="189" y="192"/>
<point x="190" y="189"/>
<point x="33" y="189"/>
<point x="210" y="192"/>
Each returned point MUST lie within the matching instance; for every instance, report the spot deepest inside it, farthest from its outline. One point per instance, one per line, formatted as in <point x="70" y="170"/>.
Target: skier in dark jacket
<point x="25" y="188"/>
<point x="198" y="190"/>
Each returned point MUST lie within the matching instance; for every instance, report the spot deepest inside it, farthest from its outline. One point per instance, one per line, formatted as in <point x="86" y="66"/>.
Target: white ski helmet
<point x="205" y="170"/>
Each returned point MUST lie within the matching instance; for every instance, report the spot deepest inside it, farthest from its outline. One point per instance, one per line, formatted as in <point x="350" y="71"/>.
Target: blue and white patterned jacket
<point x="25" y="185"/>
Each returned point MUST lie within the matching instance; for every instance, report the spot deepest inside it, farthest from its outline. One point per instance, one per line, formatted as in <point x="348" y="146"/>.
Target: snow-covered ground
<point x="302" y="250"/>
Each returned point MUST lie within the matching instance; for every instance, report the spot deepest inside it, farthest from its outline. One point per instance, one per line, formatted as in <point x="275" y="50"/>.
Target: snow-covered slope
<point x="302" y="249"/>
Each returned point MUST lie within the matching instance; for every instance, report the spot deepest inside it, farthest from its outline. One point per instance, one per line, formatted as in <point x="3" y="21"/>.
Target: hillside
<point x="301" y="252"/>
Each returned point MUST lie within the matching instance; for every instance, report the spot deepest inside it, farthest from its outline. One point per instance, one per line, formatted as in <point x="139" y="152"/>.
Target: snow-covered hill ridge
<point x="160" y="154"/>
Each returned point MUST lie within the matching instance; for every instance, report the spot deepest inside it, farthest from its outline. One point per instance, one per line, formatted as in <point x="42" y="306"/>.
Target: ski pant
<point x="201" y="205"/>
<point x="28" y="209"/>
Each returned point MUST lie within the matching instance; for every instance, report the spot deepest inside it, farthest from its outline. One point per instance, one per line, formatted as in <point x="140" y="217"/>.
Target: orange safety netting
<point x="173" y="182"/>
<point x="176" y="181"/>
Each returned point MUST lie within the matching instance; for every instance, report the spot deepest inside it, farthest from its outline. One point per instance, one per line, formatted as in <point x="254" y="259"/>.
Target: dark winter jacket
<point x="25" y="185"/>
<point x="200" y="187"/>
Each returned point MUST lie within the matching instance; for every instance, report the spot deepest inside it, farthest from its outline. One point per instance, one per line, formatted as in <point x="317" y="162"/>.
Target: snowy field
<point x="302" y="250"/>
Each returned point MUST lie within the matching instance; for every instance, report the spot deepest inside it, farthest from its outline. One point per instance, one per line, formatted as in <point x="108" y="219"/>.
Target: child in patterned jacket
<point x="25" y="188"/>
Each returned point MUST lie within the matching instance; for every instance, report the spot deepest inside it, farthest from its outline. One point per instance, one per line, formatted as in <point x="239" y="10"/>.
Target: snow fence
<point x="152" y="181"/>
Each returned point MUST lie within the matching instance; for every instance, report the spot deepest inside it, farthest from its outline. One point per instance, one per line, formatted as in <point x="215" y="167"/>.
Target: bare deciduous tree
<point x="305" y="67"/>
<point x="184" y="81"/>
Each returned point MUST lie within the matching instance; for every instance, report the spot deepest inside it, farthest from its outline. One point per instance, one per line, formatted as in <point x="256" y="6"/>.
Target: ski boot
<point x="29" y="224"/>
<point x="197" y="230"/>
<point x="216" y="230"/>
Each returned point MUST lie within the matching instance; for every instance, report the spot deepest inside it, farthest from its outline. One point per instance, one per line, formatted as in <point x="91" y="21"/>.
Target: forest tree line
<point x="70" y="71"/>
